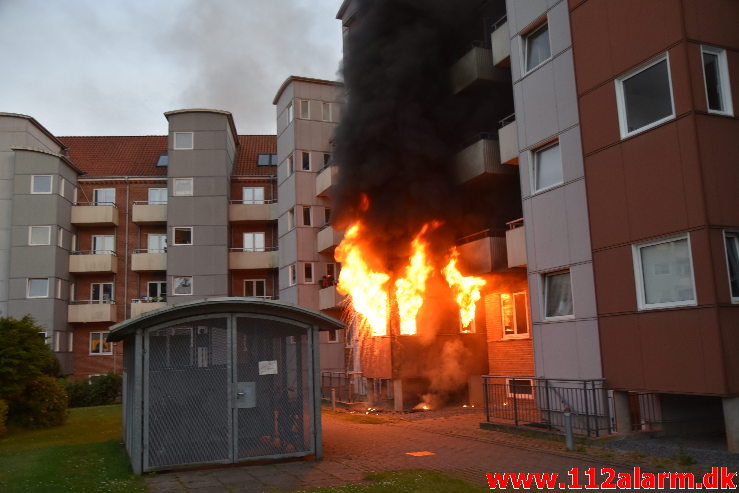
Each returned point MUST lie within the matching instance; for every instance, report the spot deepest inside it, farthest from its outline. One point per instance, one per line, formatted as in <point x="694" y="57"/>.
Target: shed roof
<point x="211" y="306"/>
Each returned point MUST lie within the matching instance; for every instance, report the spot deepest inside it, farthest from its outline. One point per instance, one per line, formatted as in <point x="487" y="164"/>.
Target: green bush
<point x="3" y="417"/>
<point x="101" y="390"/>
<point x="42" y="404"/>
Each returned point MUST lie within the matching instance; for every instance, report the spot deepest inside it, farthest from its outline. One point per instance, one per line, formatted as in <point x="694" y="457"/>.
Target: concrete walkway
<point x="456" y="444"/>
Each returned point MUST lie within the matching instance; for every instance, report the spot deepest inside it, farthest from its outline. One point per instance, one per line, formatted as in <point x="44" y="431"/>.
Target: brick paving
<point x="460" y="448"/>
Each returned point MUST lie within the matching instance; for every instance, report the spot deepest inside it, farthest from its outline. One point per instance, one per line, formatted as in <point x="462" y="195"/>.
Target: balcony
<point x="325" y="180"/>
<point x="474" y="67"/>
<point x="501" y="41"/>
<point x="508" y="140"/>
<point x="515" y="239"/>
<point x="94" y="214"/>
<point x="238" y="211"/>
<point x="480" y="159"/>
<point x="149" y="213"/>
<point x="91" y="311"/>
<point x="144" y="305"/>
<point x="148" y="260"/>
<point x="329" y="298"/>
<point x="240" y="259"/>
<point x="328" y="238"/>
<point x="482" y="252"/>
<point x="81" y="262"/>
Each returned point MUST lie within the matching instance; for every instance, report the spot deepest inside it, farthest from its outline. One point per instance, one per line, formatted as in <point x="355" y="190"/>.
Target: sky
<point x="113" y="67"/>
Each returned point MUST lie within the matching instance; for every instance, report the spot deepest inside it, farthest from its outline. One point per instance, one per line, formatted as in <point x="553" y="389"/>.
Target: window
<point x="716" y="77"/>
<point x="62" y="186"/>
<point x="326" y="159"/>
<point x="333" y="335"/>
<point x="522" y="388"/>
<point x="732" y="260"/>
<point x="266" y="159"/>
<point x="253" y="242"/>
<point x="292" y="275"/>
<point x="326" y="215"/>
<point x="39" y="235"/>
<point x="41" y="184"/>
<point x="514" y="314"/>
<point x="157" y="290"/>
<point x="290" y="219"/>
<point x="306" y="216"/>
<point x="58" y="293"/>
<point x="38" y="288"/>
<point x="308" y="273"/>
<point x="252" y="195"/>
<point x="156" y="243"/>
<point x="183" y="140"/>
<point x="182" y="235"/>
<point x="326" y="112"/>
<point x="644" y="97"/>
<point x="182" y="186"/>
<point x="289" y="112"/>
<point x="536" y="47"/>
<point x="664" y="274"/>
<point x="305" y="161"/>
<point x="331" y="270"/>
<point x="255" y="288"/>
<point x="103" y="196"/>
<point x="557" y="295"/>
<point x="163" y="161"/>
<point x="101" y="292"/>
<point x="60" y="238"/>
<point x="157" y="196"/>
<point x="98" y="344"/>
<point x="182" y="285"/>
<point x="547" y="171"/>
<point x="103" y="244"/>
<point x="305" y="109"/>
<point x="290" y="165"/>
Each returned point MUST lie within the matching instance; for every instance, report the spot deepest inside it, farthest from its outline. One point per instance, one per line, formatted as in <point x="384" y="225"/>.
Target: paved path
<point x="351" y="450"/>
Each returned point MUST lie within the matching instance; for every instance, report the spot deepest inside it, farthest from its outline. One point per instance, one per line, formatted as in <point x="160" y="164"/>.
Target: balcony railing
<point x="329" y="298"/>
<point x="479" y="159"/>
<point x="501" y="42"/>
<point x="94" y="214"/>
<point x="328" y="238"/>
<point x="149" y="212"/>
<point x="144" y="259"/>
<point x="515" y="238"/>
<point x="86" y="311"/>
<point x="474" y="67"/>
<point x="326" y="179"/>
<point x="482" y="252"/>
<point x="242" y="259"/>
<point x="147" y="304"/>
<point x="246" y="210"/>
<point x="93" y="261"/>
<point x="508" y="139"/>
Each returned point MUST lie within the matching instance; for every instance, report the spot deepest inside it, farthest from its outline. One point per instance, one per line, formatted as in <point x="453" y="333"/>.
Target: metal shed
<point x="221" y="380"/>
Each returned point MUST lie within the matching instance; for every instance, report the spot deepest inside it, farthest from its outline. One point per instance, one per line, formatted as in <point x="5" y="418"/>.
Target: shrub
<point x="101" y="390"/>
<point x="3" y="417"/>
<point x="42" y="404"/>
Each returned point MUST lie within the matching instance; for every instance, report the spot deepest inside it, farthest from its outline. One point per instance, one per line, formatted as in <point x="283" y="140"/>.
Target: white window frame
<point x="545" y="291"/>
<point x="254" y="235"/>
<point x="60" y="237"/>
<point x="174" y="285"/>
<point x="254" y="281"/>
<point x="525" y="47"/>
<point x="723" y="67"/>
<point x="516" y="335"/>
<point x="621" y="103"/>
<point x="159" y="191"/>
<point x="192" y="141"/>
<point x="162" y="293"/>
<point x="292" y="275"/>
<point x="253" y="200"/>
<point x="300" y="107"/>
<point x="325" y="105"/>
<point x="101" y="335"/>
<point x="161" y="239"/>
<point x="291" y="219"/>
<point x="639" y="275"/>
<point x="95" y="200"/>
<point x="534" y="160"/>
<point x="62" y="186"/>
<point x="312" y="279"/>
<point x="174" y="235"/>
<point x="28" y="287"/>
<point x="58" y="293"/>
<point x="30" y="236"/>
<point x="335" y="338"/>
<point x="310" y="215"/>
<point x="290" y="113"/>
<point x="51" y="184"/>
<point x="734" y="234"/>
<point x="182" y="180"/>
<point x="102" y="291"/>
<point x="102" y="251"/>
<point x="519" y="396"/>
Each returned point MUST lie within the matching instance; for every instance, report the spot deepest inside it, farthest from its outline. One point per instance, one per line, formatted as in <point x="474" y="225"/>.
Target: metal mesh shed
<point x="221" y="381"/>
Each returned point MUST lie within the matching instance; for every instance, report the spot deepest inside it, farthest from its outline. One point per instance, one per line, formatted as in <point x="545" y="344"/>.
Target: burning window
<point x="514" y="315"/>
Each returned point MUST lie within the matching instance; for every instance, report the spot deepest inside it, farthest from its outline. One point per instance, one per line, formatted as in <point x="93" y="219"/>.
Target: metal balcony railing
<point x="92" y="252"/>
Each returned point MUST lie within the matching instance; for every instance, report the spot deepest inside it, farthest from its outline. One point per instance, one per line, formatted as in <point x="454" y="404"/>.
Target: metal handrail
<point x="500" y="22"/>
<point x="254" y="250"/>
<point x="253" y="202"/>
<point x="92" y="302"/>
<point x="150" y="250"/>
<point x="506" y="120"/>
<point x="490" y="232"/>
<point x="515" y="224"/>
<point x="149" y="202"/>
<point x="149" y="299"/>
<point x="93" y="252"/>
<point x="96" y="203"/>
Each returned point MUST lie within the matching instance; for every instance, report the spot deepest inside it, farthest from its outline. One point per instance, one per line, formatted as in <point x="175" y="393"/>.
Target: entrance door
<point x="273" y="403"/>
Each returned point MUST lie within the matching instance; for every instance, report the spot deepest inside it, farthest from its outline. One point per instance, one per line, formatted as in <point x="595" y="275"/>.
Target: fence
<point x="349" y="386"/>
<point x="542" y="402"/>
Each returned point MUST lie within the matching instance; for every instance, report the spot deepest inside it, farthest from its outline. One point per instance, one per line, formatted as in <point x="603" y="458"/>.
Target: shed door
<point x="272" y="401"/>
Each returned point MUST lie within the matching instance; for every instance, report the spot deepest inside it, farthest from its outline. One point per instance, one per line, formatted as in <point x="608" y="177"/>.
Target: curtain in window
<point x="667" y="273"/>
<point x="559" y="295"/>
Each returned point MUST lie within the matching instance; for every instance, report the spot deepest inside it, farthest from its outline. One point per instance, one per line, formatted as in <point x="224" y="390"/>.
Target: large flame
<point x="466" y="289"/>
<point x="410" y="288"/>
<point x="364" y="286"/>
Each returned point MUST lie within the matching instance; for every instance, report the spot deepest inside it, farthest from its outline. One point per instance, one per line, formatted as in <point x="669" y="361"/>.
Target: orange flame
<point x="364" y="286"/>
<point x="411" y="287"/>
<point x="466" y="289"/>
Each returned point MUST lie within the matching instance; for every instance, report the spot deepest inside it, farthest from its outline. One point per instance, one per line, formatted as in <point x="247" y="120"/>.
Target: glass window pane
<point x="306" y="161"/>
<point x="647" y="96"/>
<point x="94" y="342"/>
<point x="157" y="196"/>
<point x="558" y="295"/>
<point x="183" y="285"/>
<point x="519" y="301"/>
<point x="537" y="48"/>
<point x="666" y="272"/>
<point x="506" y="309"/>
<point x="40" y="235"/>
<point x="732" y="252"/>
<point x="38" y="288"/>
<point x="713" y="81"/>
<point x="306" y="216"/>
<point x="183" y="186"/>
<point x="304" y="109"/>
<point x="183" y="140"/>
<point x="183" y="236"/>
<point x="548" y="164"/>
<point x="41" y="184"/>
<point x="104" y="196"/>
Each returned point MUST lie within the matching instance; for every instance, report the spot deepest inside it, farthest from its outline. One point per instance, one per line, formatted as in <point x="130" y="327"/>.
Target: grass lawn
<point x="83" y="455"/>
<point x="358" y="417"/>
<point x="407" y="481"/>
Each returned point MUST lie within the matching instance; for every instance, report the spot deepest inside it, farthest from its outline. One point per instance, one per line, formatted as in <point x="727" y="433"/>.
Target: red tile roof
<point x="137" y="156"/>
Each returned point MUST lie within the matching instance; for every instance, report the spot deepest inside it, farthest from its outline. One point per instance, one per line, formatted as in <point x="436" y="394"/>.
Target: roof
<point x="296" y="78"/>
<point x="137" y="155"/>
<point x="210" y="306"/>
<point x="37" y="124"/>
